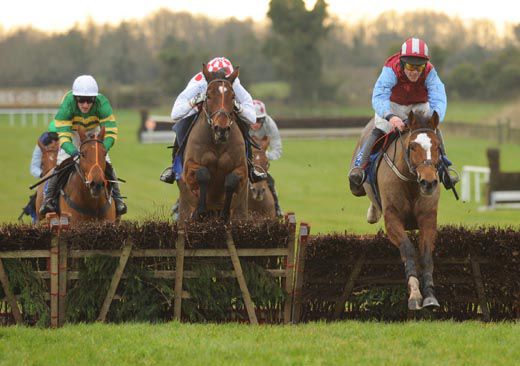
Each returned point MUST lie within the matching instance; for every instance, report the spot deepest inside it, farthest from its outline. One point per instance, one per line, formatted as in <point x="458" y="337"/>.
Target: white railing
<point x="24" y="115"/>
<point x="480" y="175"/>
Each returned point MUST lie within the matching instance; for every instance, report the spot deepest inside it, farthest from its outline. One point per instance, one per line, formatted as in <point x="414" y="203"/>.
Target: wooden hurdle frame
<point x="59" y="274"/>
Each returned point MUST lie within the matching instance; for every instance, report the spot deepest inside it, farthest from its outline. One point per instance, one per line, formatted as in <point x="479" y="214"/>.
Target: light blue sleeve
<point x="382" y="91"/>
<point x="36" y="162"/>
<point x="436" y="94"/>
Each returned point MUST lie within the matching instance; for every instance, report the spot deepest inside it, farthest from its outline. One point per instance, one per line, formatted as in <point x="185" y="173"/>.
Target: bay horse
<point x="86" y="195"/>
<point x="49" y="159"/>
<point x="261" y="200"/>
<point x="214" y="177"/>
<point x="408" y="184"/>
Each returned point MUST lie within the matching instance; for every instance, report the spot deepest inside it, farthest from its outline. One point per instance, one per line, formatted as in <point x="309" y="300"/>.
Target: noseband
<point x="209" y="117"/>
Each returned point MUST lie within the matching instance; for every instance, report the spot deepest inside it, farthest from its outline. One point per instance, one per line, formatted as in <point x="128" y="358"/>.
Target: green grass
<point x="344" y="343"/>
<point x="311" y="179"/>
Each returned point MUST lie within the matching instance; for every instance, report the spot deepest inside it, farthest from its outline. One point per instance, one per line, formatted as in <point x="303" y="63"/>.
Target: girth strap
<point x="86" y="211"/>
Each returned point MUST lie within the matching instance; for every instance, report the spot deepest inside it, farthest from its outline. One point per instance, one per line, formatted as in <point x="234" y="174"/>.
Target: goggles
<point x="82" y="100"/>
<point x="411" y="67"/>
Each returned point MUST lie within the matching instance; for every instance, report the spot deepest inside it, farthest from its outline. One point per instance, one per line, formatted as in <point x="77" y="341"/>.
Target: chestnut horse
<point x="261" y="200"/>
<point x="86" y="195"/>
<point x="214" y="175"/>
<point x="408" y="183"/>
<point x="49" y="159"/>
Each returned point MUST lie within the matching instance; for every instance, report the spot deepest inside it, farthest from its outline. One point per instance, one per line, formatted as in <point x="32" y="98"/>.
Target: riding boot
<point x="448" y="176"/>
<point x="357" y="175"/>
<point x="270" y="184"/>
<point x="51" y="193"/>
<point x="254" y="175"/>
<point x="116" y="193"/>
<point x="168" y="174"/>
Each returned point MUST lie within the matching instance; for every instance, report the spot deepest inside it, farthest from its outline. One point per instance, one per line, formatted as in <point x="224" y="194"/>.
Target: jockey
<point x="408" y="82"/>
<point x="266" y="126"/>
<point x="83" y="106"/>
<point x="185" y="111"/>
<point x="46" y="138"/>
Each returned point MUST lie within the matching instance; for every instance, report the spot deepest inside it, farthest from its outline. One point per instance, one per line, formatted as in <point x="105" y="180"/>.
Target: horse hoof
<point x="430" y="301"/>
<point x="414" y="304"/>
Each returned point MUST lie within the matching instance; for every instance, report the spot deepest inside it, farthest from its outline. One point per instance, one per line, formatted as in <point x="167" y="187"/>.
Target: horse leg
<point x="202" y="176"/>
<point x="231" y="184"/>
<point x="397" y="235"/>
<point x="428" y="234"/>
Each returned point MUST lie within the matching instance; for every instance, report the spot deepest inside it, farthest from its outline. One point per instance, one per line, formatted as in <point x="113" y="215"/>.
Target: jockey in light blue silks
<point x="408" y="82"/>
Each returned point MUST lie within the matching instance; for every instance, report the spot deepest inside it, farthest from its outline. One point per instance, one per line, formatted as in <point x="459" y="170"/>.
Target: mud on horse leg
<point x="202" y="176"/>
<point x="231" y="185"/>
<point x="407" y="251"/>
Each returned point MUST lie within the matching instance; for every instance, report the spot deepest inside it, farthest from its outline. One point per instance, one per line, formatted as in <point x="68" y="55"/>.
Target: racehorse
<point x="408" y="184"/>
<point x="214" y="177"/>
<point x="49" y="159"/>
<point x="86" y="195"/>
<point x="261" y="200"/>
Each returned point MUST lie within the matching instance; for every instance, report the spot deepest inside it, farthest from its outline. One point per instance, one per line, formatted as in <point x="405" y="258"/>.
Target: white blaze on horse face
<point x="426" y="143"/>
<point x="222" y="89"/>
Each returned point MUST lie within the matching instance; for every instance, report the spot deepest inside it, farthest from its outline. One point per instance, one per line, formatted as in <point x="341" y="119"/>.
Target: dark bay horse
<point x="408" y="183"/>
<point x="261" y="200"/>
<point x="86" y="195"/>
<point x="214" y="175"/>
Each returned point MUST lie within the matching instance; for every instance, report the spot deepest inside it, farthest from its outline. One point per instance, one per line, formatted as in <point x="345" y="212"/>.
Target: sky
<point x="59" y="15"/>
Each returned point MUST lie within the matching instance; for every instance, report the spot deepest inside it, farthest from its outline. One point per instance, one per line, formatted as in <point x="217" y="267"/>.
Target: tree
<point x="294" y="45"/>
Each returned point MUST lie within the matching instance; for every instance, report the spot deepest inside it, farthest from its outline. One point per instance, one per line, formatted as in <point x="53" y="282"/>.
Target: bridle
<point x="221" y="110"/>
<point x="88" y="178"/>
<point x="412" y="169"/>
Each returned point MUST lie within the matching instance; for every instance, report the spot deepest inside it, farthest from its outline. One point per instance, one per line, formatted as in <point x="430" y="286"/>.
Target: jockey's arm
<point x="382" y="91"/>
<point x="64" y="125"/>
<point x="36" y="162"/>
<point x="107" y="120"/>
<point x="182" y="106"/>
<point x="275" y="141"/>
<point x="247" y="113"/>
<point x="436" y="94"/>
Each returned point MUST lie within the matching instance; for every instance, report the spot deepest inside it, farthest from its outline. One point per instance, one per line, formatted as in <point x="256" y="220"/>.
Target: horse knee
<point x="202" y="175"/>
<point x="231" y="182"/>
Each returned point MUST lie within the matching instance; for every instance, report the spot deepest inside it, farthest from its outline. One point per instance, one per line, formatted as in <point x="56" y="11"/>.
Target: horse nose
<point x="428" y="186"/>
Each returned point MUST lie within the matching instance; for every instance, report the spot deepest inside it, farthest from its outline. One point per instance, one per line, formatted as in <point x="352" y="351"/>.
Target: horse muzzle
<point x="96" y="188"/>
<point x="221" y="134"/>
<point x="427" y="187"/>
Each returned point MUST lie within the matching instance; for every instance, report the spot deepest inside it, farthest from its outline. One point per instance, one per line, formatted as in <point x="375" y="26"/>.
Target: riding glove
<point x="108" y="142"/>
<point x="199" y="98"/>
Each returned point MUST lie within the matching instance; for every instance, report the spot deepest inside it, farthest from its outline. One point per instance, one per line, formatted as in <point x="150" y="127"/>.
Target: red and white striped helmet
<point x="220" y="63"/>
<point x="415" y="49"/>
<point x="260" y="110"/>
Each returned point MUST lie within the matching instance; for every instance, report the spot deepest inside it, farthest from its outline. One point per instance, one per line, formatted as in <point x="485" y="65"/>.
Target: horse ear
<point x="231" y="78"/>
<point x="41" y="145"/>
<point x="434" y="121"/>
<point x="206" y="73"/>
<point x="412" y="121"/>
<point x="101" y="134"/>
<point x="81" y="133"/>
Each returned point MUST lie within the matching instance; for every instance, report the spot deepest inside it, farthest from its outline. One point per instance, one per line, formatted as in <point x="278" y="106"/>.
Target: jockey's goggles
<point x="81" y="99"/>
<point x="411" y="67"/>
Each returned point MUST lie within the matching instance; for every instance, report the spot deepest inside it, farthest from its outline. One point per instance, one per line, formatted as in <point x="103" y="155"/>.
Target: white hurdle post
<point x="478" y="172"/>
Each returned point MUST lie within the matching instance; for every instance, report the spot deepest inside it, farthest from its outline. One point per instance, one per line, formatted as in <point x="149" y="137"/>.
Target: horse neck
<point x="396" y="153"/>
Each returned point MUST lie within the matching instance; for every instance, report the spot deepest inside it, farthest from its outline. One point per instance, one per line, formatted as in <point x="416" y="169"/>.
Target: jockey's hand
<point x="397" y="122"/>
<point x="199" y="98"/>
<point x="238" y="107"/>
